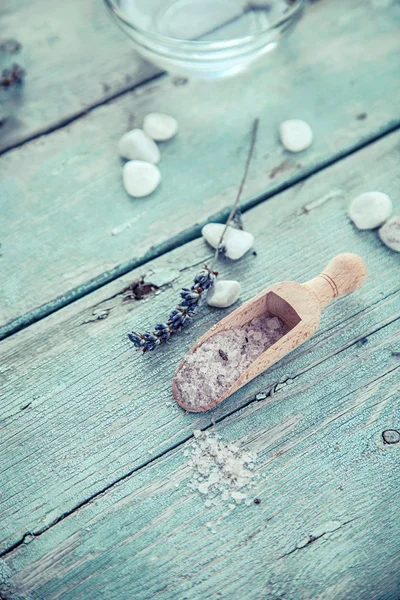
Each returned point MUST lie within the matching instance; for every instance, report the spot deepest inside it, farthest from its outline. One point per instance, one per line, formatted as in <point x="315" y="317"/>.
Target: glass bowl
<point x="205" y="38"/>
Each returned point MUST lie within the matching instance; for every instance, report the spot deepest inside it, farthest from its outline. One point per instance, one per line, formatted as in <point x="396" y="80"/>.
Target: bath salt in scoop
<point x="259" y="333"/>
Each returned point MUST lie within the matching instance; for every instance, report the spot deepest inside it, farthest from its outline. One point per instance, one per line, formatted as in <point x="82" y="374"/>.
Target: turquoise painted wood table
<point x="94" y="495"/>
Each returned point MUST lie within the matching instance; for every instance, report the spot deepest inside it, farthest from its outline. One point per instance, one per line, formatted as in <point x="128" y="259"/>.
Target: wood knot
<point x="391" y="436"/>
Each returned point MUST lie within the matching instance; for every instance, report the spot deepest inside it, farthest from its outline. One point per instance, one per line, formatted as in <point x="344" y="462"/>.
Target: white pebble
<point x="296" y="135"/>
<point x="137" y="145"/>
<point x="390" y="233"/>
<point x="370" y="210"/>
<point x="160" y="127"/>
<point x="223" y="293"/>
<point x="140" y="178"/>
<point x="236" y="241"/>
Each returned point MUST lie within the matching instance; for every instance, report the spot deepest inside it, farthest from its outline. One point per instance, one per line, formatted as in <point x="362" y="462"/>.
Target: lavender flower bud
<point x="150" y="341"/>
<point x="205" y="280"/>
<point x="136" y="339"/>
<point x="163" y="332"/>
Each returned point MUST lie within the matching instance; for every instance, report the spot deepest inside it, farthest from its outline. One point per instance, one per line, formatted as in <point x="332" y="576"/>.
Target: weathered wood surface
<point x="80" y="410"/>
<point x="68" y="226"/>
<point x="326" y="528"/>
<point x="75" y="58"/>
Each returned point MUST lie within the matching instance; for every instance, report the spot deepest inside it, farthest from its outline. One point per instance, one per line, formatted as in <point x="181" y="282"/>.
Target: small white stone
<point x="390" y="233"/>
<point x="296" y="135"/>
<point x="236" y="241"/>
<point x="370" y="210"/>
<point x="160" y="127"/>
<point x="137" y="145"/>
<point x="223" y="293"/>
<point x="140" y="178"/>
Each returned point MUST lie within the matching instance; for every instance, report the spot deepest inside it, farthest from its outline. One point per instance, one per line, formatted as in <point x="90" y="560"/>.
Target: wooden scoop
<point x="298" y="305"/>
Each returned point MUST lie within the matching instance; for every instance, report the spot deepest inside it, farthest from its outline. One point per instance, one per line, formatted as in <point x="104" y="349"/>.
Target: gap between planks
<point x="81" y="114"/>
<point x="25" y="539"/>
<point x="181" y="239"/>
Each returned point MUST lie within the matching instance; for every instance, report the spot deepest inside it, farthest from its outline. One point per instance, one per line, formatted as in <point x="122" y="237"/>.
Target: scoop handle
<point x="343" y="275"/>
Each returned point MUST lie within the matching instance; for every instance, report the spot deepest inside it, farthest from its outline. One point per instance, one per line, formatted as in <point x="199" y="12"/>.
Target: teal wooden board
<point x="75" y="58"/>
<point x="80" y="410"/>
<point x="69" y="227"/>
<point x="326" y="528"/>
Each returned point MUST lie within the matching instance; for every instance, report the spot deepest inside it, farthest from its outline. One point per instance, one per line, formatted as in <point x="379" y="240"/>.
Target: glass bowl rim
<point x="201" y="44"/>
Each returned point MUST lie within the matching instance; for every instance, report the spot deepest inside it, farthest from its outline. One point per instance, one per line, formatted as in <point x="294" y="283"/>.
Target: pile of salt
<point x="220" y="470"/>
<point x="220" y="360"/>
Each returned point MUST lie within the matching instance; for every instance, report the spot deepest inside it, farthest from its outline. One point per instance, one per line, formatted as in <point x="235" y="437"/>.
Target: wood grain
<point x="326" y="527"/>
<point x="75" y="58"/>
<point x="80" y="410"/>
<point x="68" y="225"/>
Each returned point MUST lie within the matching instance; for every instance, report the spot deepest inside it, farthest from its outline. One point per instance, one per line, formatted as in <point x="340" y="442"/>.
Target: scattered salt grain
<point x="203" y="488"/>
<point x="220" y="470"/>
<point x="238" y="496"/>
<point x="214" y="478"/>
<point x="210" y="371"/>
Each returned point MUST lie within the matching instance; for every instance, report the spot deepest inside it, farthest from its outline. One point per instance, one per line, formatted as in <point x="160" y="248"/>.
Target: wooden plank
<point x="326" y="528"/>
<point x="75" y="58"/>
<point x="80" y="410"/>
<point x="68" y="225"/>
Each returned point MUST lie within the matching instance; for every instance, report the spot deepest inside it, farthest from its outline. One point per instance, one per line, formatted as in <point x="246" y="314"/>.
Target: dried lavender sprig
<point x="191" y="299"/>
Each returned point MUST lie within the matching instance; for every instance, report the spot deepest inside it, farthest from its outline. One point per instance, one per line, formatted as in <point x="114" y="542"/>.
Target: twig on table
<point x="240" y="190"/>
